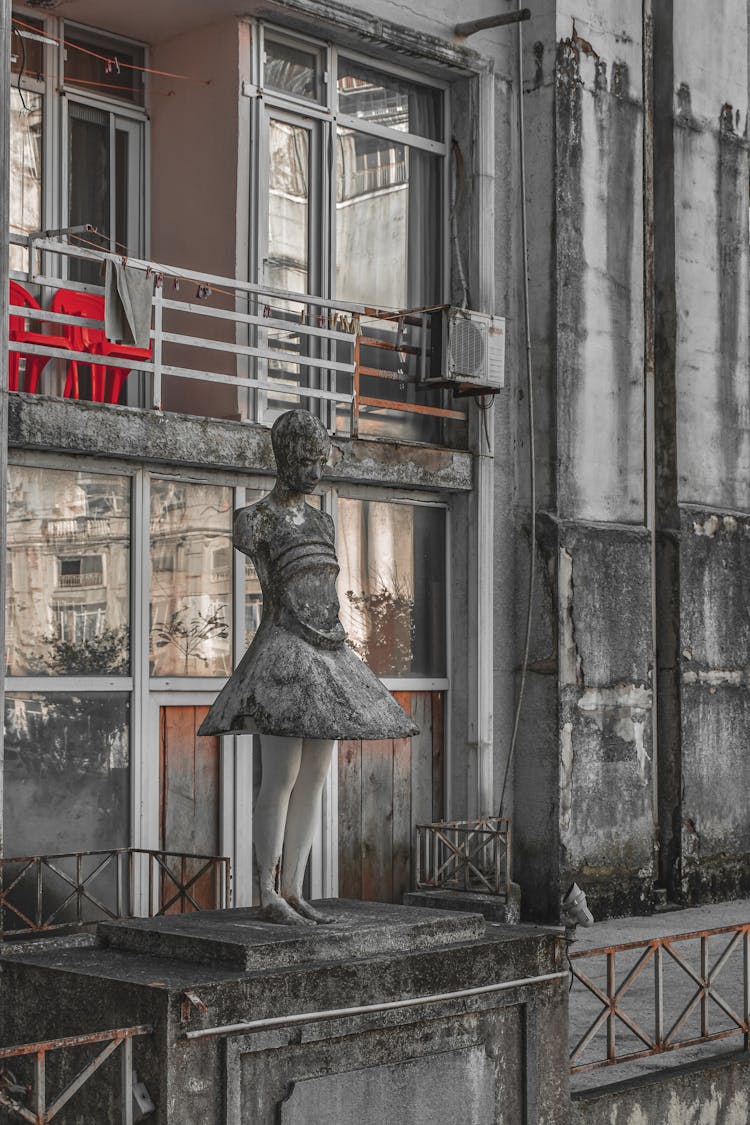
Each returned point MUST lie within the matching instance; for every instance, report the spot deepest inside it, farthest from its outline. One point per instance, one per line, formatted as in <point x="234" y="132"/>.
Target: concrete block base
<point x="290" y="1026"/>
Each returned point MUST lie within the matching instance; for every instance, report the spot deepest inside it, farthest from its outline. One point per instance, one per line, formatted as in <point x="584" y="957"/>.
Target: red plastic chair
<point x="93" y="340"/>
<point x="35" y="364"/>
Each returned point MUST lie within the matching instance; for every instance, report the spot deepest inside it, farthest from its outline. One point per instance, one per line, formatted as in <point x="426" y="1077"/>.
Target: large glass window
<point x="352" y="207"/>
<point x="392" y="585"/>
<point x="191" y="579"/>
<point x="66" y="772"/>
<point x="68" y="583"/>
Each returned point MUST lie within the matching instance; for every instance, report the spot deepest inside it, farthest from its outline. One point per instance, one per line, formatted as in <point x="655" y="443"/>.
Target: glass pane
<point x="89" y="183"/>
<point x="68" y="578"/>
<point x="191" y="579"/>
<point x="67" y="786"/>
<point x="253" y="596"/>
<point x="103" y="65"/>
<point x="384" y="99"/>
<point x="392" y="585"/>
<point x="27" y="48"/>
<point x="288" y="263"/>
<point x="293" y="70"/>
<point x="388" y="222"/>
<point x="25" y="169"/>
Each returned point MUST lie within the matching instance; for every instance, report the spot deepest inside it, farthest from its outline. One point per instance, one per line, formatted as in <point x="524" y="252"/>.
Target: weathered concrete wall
<point x="703" y="447"/>
<point x="583" y="780"/>
<point x="713" y="1093"/>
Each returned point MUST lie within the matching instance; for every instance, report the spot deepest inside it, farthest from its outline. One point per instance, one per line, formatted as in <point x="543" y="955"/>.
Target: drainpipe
<point x="649" y="458"/>
<point x="5" y="24"/>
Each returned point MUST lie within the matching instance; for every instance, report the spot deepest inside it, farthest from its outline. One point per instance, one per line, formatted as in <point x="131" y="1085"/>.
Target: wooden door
<point x="386" y="788"/>
<point x="189" y="800"/>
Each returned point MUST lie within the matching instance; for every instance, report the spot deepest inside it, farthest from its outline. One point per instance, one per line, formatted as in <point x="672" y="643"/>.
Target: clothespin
<point x="124" y="259"/>
<point x="203" y="292"/>
<point x="302" y="316"/>
<point x="158" y="280"/>
<point x="148" y="271"/>
<point x="321" y="320"/>
<point x="266" y="310"/>
<point x="176" y="284"/>
<point x="117" y="64"/>
<point x="356" y="325"/>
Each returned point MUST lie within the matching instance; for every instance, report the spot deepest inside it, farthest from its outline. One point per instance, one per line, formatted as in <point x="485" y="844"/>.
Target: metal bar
<point x="158" y="347"/>
<point x="73" y="1041"/>
<point x="413" y="408"/>
<point x="470" y="27"/>
<point x="127" y="1081"/>
<point x="83" y="1076"/>
<point x="297" y="327"/>
<point x="366" y="1009"/>
<point x="658" y="997"/>
<point x="611" y="997"/>
<point x="40" y="1084"/>
<point x="299" y="359"/>
<point x="746" y="986"/>
<point x="706" y="985"/>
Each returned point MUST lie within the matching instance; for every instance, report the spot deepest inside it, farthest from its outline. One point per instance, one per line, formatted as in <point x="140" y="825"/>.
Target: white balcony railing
<point x="272" y="347"/>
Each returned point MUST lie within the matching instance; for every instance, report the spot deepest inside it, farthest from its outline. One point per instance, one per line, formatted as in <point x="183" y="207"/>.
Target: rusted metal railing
<point x="673" y="983"/>
<point x="465" y="855"/>
<point x="38" y="1111"/>
<point x="44" y="893"/>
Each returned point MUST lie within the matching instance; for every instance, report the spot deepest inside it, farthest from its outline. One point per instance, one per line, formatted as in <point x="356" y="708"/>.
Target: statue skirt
<point x="286" y="686"/>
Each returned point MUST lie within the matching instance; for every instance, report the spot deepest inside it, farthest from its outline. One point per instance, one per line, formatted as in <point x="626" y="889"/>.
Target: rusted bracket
<point x="472" y="26"/>
<point x="191" y="1000"/>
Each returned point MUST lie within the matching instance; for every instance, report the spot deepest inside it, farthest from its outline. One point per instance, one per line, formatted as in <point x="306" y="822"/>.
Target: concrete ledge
<point x="713" y="1092"/>
<point x="492" y="907"/>
<point x="58" y="425"/>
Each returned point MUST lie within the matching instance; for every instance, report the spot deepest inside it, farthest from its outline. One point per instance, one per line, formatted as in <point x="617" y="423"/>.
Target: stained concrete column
<point x="703" y="446"/>
<point x="5" y="24"/>
<point x="584" y="782"/>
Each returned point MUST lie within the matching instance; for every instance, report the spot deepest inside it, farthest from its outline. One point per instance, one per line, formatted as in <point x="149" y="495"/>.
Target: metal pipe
<point x="366" y="1009"/>
<point x="472" y="26"/>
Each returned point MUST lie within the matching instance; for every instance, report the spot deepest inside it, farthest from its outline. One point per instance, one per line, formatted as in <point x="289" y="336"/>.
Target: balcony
<point x="229" y="349"/>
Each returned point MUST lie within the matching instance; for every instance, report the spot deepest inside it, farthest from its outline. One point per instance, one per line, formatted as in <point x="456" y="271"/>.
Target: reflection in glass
<point x="67" y="787"/>
<point x="392" y="585"/>
<point x="288" y="264"/>
<point x="66" y="772"/>
<point x="68" y="583"/>
<point x="387" y="100"/>
<point x="25" y="169"/>
<point x="292" y="70"/>
<point x="388" y="254"/>
<point x="191" y="579"/>
<point x="388" y="222"/>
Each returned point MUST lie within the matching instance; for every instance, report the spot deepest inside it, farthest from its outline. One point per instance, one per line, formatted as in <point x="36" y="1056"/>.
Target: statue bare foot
<point x="279" y="911"/>
<point x="309" y="912"/>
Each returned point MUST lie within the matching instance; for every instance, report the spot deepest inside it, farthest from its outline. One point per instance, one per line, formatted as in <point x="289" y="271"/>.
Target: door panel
<point x="189" y="797"/>
<point x="386" y="788"/>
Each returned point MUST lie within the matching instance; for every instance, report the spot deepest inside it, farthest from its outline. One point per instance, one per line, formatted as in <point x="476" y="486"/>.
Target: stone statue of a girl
<point x="298" y="686"/>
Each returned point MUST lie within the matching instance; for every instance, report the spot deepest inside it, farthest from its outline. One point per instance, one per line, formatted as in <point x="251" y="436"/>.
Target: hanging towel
<point x="127" y="305"/>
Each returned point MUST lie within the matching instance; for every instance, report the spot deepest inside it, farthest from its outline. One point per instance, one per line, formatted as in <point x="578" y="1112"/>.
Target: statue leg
<point x="280" y="763"/>
<point x="304" y="810"/>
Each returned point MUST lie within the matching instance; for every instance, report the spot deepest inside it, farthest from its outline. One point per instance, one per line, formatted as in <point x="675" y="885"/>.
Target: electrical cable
<point x="530" y="400"/>
<point x="21" y="70"/>
<point x="457" y="188"/>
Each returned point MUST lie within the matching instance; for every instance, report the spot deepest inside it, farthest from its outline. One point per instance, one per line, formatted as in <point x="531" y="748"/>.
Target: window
<point x="351" y="205"/>
<point x="57" y="547"/>
<point x="191" y="593"/>
<point x="86" y="571"/>
<point x="26" y="121"/>
<point x="392" y="585"/>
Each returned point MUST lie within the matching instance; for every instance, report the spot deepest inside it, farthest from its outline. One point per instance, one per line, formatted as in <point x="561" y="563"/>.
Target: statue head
<point x="301" y="446"/>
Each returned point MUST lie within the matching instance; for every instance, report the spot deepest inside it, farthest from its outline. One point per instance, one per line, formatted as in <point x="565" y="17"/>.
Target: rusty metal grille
<point x="465" y="855"/>
<point x="29" y="1101"/>
<point x="44" y="893"/>
<point x="648" y="997"/>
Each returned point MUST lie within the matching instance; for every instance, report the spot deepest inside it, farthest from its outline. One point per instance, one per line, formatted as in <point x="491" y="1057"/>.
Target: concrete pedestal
<point x="484" y="1043"/>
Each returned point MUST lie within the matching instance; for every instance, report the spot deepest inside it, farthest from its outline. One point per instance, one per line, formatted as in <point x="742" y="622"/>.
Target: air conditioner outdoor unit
<point x="469" y="348"/>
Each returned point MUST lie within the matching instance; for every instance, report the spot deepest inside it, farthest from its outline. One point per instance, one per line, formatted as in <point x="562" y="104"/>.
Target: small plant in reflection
<point x="189" y="635"/>
<point x="383" y="618"/>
